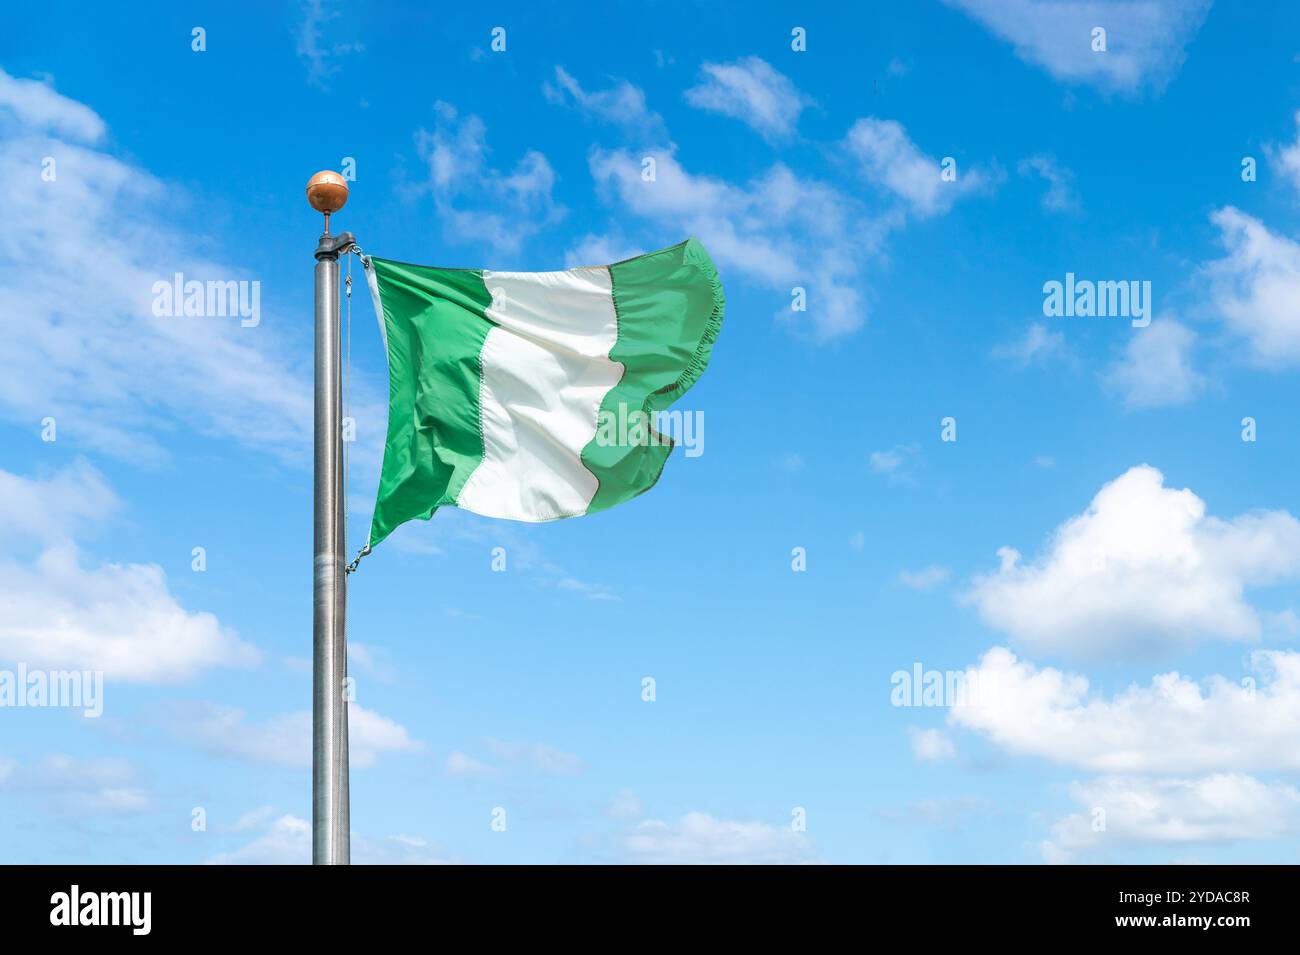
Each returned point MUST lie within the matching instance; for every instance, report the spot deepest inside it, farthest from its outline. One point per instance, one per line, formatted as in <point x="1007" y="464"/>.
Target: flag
<point x="532" y="396"/>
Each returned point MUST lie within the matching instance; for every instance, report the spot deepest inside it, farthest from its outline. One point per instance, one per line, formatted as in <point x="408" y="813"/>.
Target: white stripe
<point x="546" y="369"/>
<point x="373" y="281"/>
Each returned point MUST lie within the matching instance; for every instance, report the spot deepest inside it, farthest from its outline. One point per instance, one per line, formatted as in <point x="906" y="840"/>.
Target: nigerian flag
<point x="531" y="395"/>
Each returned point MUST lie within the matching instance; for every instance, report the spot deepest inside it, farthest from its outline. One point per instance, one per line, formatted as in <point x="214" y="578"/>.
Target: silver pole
<point x="331" y="836"/>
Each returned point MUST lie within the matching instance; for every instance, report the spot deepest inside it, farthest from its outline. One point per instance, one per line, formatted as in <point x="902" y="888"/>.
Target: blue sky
<point x="1113" y="565"/>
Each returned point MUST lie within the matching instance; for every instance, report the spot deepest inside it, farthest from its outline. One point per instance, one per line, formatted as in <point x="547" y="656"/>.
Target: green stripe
<point x="436" y="322"/>
<point x="670" y="306"/>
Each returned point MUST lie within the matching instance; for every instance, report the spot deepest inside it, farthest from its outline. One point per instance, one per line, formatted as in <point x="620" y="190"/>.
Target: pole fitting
<point x="332" y="246"/>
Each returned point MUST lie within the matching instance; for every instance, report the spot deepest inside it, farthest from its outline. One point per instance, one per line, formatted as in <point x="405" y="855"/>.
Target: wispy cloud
<point x="1157" y="368"/>
<point x="316" y="52"/>
<point x="888" y="157"/>
<point x="477" y="202"/>
<point x="283" y="740"/>
<point x="1146" y="40"/>
<point x="1060" y="195"/>
<point x="699" y="838"/>
<point x="751" y="91"/>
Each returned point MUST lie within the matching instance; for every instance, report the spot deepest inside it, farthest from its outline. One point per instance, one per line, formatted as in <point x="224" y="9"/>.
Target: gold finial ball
<point x="327" y="191"/>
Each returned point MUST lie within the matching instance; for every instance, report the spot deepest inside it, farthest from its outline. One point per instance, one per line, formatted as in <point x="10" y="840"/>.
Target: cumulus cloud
<point x="698" y="838"/>
<point x="1156" y="369"/>
<point x="1143" y="571"/>
<point x="751" y="91"/>
<point x="1146" y="40"/>
<point x="1255" y="288"/>
<point x="1173" y="726"/>
<point x="92" y="353"/>
<point x="1220" y="808"/>
<point x="60" y="612"/>
<point x="118" y="618"/>
<point x="889" y="158"/>
<point x="476" y="201"/>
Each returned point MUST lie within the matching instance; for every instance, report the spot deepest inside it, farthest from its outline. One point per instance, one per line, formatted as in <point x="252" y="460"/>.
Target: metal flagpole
<point x="330" y="832"/>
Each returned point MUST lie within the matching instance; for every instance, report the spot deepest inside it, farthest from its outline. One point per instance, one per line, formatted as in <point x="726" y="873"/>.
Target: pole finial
<point x="327" y="192"/>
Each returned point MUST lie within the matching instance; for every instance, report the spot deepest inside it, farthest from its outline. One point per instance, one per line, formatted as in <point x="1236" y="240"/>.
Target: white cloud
<point x="38" y="107"/>
<point x="66" y="784"/>
<point x="466" y="767"/>
<point x="778" y="229"/>
<point x="1156" y="368"/>
<point x="285" y="740"/>
<point x="931" y="746"/>
<point x="1060" y="195"/>
<point x="253" y="819"/>
<point x="591" y="591"/>
<point x="313" y="49"/>
<point x="889" y="158"/>
<point x="1145" y="39"/>
<point x="58" y="613"/>
<point x="625" y="805"/>
<point x="92" y="354"/>
<point x="1255" y="288"/>
<point x="623" y="103"/>
<point x="894" y="463"/>
<point x="538" y="756"/>
<point x="698" y="838"/>
<point x="751" y="91"/>
<point x="1036" y="346"/>
<point x="531" y="757"/>
<point x="1215" y="809"/>
<point x="1174" y="726"/>
<point x="54" y="507"/>
<point x="287" y="841"/>
<point x="781" y="230"/>
<point x="1288" y="157"/>
<point x="118" y="618"/>
<point x="594" y="249"/>
<point x="1141" y="572"/>
<point x="926" y="579"/>
<point x="477" y="202"/>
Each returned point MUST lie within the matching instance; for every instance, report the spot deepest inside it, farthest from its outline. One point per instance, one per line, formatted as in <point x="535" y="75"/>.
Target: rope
<point x="347" y="400"/>
<point x="347" y="404"/>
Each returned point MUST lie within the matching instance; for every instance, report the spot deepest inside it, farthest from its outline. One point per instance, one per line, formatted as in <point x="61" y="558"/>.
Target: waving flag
<point x="532" y="395"/>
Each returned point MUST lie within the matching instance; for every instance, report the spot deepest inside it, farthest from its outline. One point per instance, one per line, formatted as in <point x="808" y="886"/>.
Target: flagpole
<point x="330" y="832"/>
